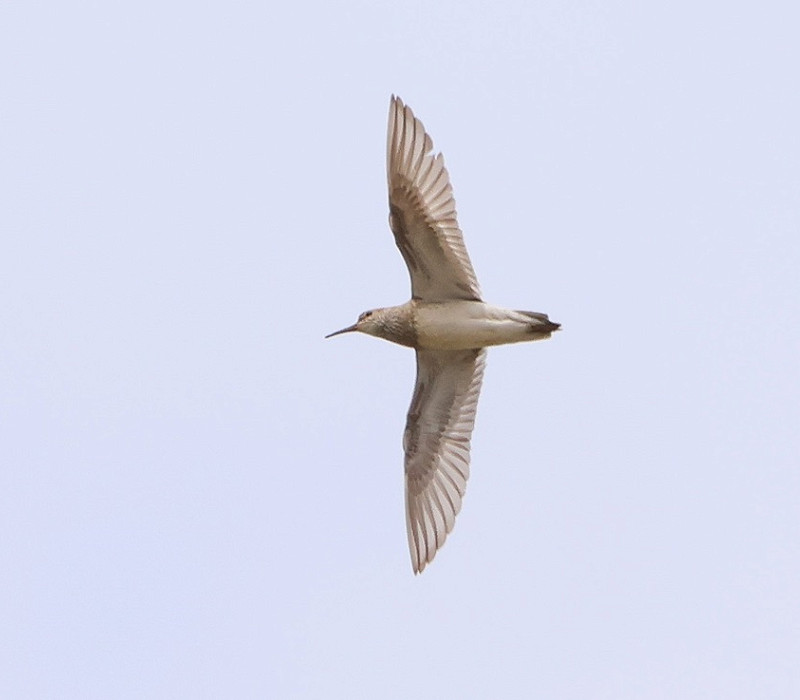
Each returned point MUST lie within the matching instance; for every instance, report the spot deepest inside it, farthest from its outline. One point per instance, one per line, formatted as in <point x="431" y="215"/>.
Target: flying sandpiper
<point x="449" y="326"/>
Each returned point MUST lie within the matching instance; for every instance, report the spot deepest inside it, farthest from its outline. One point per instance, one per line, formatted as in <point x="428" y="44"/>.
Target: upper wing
<point x="423" y="212"/>
<point x="436" y="443"/>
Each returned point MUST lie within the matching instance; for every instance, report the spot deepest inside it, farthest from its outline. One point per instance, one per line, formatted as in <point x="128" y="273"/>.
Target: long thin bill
<point x="349" y="329"/>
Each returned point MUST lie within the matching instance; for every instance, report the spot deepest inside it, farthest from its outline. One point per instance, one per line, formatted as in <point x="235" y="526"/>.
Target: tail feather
<point x="542" y="324"/>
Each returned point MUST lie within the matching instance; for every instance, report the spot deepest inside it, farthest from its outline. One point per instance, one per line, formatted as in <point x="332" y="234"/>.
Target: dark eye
<point x="366" y="314"/>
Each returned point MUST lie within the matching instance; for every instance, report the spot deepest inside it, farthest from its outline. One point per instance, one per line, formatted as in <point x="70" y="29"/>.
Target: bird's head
<point x="370" y="322"/>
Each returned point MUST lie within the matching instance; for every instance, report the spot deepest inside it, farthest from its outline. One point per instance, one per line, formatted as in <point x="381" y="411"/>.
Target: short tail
<point x="540" y="323"/>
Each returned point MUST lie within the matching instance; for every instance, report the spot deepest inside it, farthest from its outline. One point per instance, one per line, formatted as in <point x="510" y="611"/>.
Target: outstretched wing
<point x="422" y="213"/>
<point x="436" y="444"/>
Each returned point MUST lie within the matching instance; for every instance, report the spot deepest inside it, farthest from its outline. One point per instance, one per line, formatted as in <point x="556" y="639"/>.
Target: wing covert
<point x="422" y="212"/>
<point x="437" y="446"/>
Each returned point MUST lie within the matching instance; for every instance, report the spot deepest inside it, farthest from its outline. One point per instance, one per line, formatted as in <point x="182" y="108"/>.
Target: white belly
<point x="461" y="325"/>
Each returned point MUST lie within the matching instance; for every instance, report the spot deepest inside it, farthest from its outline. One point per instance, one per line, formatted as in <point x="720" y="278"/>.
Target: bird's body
<point x="447" y="323"/>
<point x="456" y="325"/>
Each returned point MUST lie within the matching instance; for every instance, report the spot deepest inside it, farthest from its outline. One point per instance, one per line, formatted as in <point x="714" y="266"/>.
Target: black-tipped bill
<point x="349" y="329"/>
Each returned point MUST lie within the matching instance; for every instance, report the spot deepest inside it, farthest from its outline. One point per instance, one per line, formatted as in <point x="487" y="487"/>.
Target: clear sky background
<point x="202" y="498"/>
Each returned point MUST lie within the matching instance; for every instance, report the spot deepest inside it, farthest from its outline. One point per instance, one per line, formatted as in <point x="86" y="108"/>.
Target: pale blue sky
<point x="202" y="498"/>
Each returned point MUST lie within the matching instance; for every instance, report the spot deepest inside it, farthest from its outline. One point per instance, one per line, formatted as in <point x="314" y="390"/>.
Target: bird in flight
<point x="449" y="326"/>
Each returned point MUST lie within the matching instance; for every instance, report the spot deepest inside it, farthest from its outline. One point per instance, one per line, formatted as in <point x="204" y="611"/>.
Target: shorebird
<point x="447" y="323"/>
